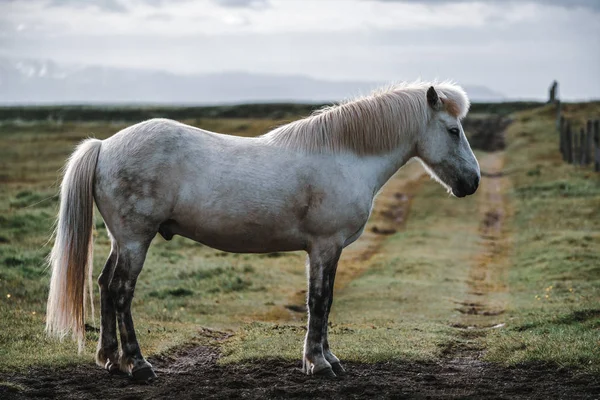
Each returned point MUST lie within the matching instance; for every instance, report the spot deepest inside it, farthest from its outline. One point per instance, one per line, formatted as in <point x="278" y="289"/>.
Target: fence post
<point x="582" y="147"/>
<point x="597" y="145"/>
<point x="569" y="144"/>
<point x="589" y="140"/>
<point x="575" y="156"/>
<point x="559" y="117"/>
<point x="561" y="137"/>
<point x="553" y="92"/>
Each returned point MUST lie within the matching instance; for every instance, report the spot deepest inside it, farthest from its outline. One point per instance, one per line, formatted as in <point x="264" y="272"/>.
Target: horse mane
<point x="371" y="124"/>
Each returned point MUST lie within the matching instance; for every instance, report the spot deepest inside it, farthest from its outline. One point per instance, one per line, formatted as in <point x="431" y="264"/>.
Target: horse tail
<point x="71" y="256"/>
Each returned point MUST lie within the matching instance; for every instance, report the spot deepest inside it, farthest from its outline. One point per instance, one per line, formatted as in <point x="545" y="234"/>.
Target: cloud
<point x="514" y="46"/>
<point x="243" y="3"/>
<point x="104" y="5"/>
<point x="592" y="4"/>
<point x="159" y="16"/>
<point x="125" y="5"/>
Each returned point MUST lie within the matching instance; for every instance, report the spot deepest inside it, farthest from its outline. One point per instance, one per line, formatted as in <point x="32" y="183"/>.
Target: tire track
<point x="485" y="300"/>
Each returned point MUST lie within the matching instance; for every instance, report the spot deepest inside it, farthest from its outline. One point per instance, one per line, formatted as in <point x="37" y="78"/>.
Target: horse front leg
<point x="107" y="354"/>
<point x="122" y="286"/>
<point x="320" y="286"/>
<point x="336" y="366"/>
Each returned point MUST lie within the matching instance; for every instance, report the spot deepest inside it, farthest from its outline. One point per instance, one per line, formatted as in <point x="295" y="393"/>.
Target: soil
<point x="193" y="373"/>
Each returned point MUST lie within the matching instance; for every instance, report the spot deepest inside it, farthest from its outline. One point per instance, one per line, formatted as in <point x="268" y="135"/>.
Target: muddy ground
<point x="193" y="373"/>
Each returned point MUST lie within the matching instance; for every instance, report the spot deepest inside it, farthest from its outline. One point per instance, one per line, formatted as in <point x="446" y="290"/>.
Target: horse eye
<point x="454" y="131"/>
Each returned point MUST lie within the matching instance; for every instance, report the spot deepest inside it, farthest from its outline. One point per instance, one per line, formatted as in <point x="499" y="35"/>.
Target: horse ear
<point x="433" y="99"/>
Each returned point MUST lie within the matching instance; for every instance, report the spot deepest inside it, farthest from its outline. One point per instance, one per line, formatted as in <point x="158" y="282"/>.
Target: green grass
<point x="402" y="307"/>
<point x="184" y="285"/>
<point x="395" y="307"/>
<point x="554" y="280"/>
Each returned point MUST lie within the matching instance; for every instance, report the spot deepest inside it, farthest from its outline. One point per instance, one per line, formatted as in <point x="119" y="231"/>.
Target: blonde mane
<point x="372" y="124"/>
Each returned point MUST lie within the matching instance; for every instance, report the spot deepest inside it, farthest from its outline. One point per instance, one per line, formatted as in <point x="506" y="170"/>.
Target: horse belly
<point x="238" y="235"/>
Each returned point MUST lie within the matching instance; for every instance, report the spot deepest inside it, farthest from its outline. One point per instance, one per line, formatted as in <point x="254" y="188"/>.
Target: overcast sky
<point x="514" y="47"/>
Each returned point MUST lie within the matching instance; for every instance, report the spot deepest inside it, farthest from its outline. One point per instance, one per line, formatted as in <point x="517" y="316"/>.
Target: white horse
<point x="308" y="185"/>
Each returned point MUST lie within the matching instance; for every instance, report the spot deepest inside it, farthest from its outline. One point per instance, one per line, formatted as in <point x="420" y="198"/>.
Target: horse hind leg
<point x="336" y="365"/>
<point x="321" y="264"/>
<point x="107" y="354"/>
<point x="122" y="285"/>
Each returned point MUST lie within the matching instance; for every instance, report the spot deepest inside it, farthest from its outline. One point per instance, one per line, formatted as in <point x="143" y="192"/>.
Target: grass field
<point x="554" y="278"/>
<point x="450" y="281"/>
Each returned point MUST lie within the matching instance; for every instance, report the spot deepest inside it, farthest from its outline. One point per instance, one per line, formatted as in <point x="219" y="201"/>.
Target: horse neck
<point x="391" y="137"/>
<point x="378" y="134"/>
<point x="378" y="169"/>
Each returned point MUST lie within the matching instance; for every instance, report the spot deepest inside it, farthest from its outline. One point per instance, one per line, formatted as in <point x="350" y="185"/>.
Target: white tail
<point x="71" y="256"/>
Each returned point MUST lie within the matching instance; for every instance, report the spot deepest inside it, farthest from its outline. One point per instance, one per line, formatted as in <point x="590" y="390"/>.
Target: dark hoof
<point x="143" y="375"/>
<point x="114" y="369"/>
<point x="338" y="369"/>
<point x="326" y="373"/>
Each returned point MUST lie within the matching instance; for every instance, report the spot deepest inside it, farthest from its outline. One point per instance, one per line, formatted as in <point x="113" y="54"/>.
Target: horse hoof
<point x="144" y="375"/>
<point x="338" y="369"/>
<point x="326" y="373"/>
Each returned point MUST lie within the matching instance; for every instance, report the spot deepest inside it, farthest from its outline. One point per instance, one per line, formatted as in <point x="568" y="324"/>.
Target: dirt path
<point x="486" y="297"/>
<point x="483" y="307"/>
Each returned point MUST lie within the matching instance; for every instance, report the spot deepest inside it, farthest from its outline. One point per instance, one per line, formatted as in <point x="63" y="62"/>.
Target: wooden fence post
<point x="559" y="117"/>
<point x="553" y="92"/>
<point x="597" y="145"/>
<point x="569" y="144"/>
<point x="575" y="156"/>
<point x="589" y="143"/>
<point x="582" y="147"/>
<point x="561" y="137"/>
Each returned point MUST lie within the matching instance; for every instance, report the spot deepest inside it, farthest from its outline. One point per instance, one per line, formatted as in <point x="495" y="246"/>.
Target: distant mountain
<point x="46" y="82"/>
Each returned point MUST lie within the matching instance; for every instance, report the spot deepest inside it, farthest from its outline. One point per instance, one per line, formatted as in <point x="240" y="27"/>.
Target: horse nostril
<point x="476" y="185"/>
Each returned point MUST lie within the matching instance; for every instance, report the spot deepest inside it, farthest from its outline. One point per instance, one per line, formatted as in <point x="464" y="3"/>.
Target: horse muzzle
<point x="466" y="187"/>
